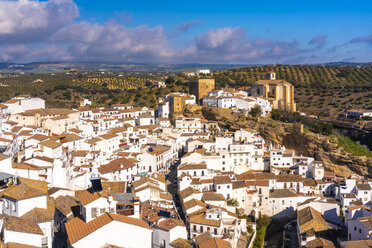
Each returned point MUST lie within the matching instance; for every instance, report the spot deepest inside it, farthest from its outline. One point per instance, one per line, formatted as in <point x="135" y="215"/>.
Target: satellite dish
<point x="110" y="199"/>
<point x="150" y="149"/>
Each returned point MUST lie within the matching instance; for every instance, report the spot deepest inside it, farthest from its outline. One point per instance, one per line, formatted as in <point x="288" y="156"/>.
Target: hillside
<point x="320" y="90"/>
<point x="67" y="90"/>
<point x="333" y="150"/>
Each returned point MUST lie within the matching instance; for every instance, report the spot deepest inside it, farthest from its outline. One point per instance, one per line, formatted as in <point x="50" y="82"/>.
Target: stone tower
<point x="200" y="87"/>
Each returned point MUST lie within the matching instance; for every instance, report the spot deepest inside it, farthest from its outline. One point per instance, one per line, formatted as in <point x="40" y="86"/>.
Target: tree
<point x="170" y="80"/>
<point x="232" y="202"/>
<point x="256" y="111"/>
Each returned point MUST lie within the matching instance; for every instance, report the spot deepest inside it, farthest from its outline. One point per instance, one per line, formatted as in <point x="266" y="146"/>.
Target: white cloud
<point x="49" y="30"/>
<point x="26" y="21"/>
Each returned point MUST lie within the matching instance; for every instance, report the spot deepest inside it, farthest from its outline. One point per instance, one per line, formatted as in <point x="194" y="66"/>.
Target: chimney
<point x="136" y="208"/>
<point x="121" y="166"/>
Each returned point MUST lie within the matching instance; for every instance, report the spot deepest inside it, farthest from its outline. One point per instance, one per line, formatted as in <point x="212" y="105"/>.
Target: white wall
<point x="114" y="234"/>
<point x="22" y="238"/>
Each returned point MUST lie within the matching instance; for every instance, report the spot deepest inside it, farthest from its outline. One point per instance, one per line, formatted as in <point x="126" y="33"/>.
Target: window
<point x="219" y="187"/>
<point x="215" y="231"/>
<point x="355" y="228"/>
<point x="201" y="229"/>
<point x="94" y="212"/>
<point x="14" y="207"/>
<point x="194" y="228"/>
<point x="360" y="230"/>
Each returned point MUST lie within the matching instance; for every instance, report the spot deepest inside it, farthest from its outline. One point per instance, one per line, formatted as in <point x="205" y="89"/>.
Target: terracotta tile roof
<point x="320" y="242"/>
<point x="257" y="176"/>
<point x="116" y="165"/>
<point x="75" y="130"/>
<point x="194" y="202"/>
<point x="108" y="136"/>
<point x="27" y="188"/>
<point x="212" y="196"/>
<point x="78" y="229"/>
<point x="47" y="159"/>
<point x="25" y="133"/>
<point x="145" y="115"/>
<point x="64" y="203"/>
<point x="363" y="186"/>
<point x="86" y="197"/>
<point x="114" y="187"/>
<point x="3" y="157"/>
<point x="359" y="243"/>
<point x="149" y="214"/>
<point x="188" y="191"/>
<point x="215" y="243"/>
<point x="17" y="224"/>
<point x="17" y="245"/>
<point x="309" y="182"/>
<point x="170" y="223"/>
<point x="238" y="184"/>
<point x="200" y="219"/>
<point x="118" y="129"/>
<point x="367" y="222"/>
<point x="200" y="166"/>
<point x="93" y="141"/>
<point x="158" y="177"/>
<point x="3" y="106"/>
<point x="262" y="183"/>
<point x="358" y="207"/>
<point x="309" y="218"/>
<point x="282" y="193"/>
<point x="159" y="149"/>
<point x="38" y="137"/>
<point x="41" y="214"/>
<point x="81" y="153"/>
<point x="166" y="196"/>
<point x="50" y="143"/>
<point x="349" y="195"/>
<point x="111" y="246"/>
<point x="202" y="237"/>
<point x="222" y="180"/>
<point x="181" y="243"/>
<point x="25" y="166"/>
<point x="289" y="178"/>
<point x="69" y="137"/>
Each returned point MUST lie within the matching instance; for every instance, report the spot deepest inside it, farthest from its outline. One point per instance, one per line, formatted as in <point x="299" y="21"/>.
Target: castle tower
<point x="200" y="87"/>
<point x="271" y="75"/>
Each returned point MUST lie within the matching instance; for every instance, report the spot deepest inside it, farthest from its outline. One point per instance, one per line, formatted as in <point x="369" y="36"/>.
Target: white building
<point x="108" y="230"/>
<point x="22" y="103"/>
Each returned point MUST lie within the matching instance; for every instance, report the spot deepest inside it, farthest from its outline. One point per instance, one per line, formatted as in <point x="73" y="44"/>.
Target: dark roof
<point x="222" y="180"/>
<point x="65" y="203"/>
<point x="17" y="224"/>
<point x="124" y="198"/>
<point x="116" y="165"/>
<point x="282" y="193"/>
<point x="363" y="186"/>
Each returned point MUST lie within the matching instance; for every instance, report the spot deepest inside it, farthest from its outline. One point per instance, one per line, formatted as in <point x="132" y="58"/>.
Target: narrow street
<point x="173" y="189"/>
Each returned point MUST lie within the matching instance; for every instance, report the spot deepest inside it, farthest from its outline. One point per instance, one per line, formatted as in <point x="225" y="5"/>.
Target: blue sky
<point x="186" y="32"/>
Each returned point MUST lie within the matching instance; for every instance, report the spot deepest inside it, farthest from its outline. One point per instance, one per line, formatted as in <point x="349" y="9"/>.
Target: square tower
<point x="271" y="75"/>
<point x="200" y="87"/>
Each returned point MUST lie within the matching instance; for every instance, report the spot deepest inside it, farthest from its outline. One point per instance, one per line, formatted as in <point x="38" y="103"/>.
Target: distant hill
<point x="60" y="66"/>
<point x="321" y="90"/>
